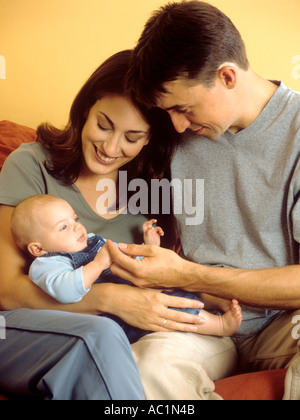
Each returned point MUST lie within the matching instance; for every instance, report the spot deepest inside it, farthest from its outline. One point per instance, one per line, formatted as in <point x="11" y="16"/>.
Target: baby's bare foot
<point x="231" y="320"/>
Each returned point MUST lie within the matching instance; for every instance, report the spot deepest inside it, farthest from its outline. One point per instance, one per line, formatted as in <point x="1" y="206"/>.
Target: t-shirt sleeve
<point x="57" y="277"/>
<point x="294" y="195"/>
<point x="21" y="176"/>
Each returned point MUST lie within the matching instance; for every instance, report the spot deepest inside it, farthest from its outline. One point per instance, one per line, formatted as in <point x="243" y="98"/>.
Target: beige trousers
<point x="184" y="366"/>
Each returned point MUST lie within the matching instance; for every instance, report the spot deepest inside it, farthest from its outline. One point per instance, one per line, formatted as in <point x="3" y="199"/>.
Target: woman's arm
<point x="146" y="309"/>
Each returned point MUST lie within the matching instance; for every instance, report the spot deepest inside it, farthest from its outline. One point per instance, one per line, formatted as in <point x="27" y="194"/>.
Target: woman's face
<point x="115" y="132"/>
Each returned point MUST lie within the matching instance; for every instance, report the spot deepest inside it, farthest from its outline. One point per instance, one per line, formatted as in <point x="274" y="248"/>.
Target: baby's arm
<point x="93" y="270"/>
<point x="152" y="234"/>
<point x="57" y="277"/>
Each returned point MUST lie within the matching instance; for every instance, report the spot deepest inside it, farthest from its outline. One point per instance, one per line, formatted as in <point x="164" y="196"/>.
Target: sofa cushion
<point x="12" y="135"/>
<point x="266" y="385"/>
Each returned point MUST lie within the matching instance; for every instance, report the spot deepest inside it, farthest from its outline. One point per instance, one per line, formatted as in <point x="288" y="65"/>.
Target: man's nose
<point x="180" y="122"/>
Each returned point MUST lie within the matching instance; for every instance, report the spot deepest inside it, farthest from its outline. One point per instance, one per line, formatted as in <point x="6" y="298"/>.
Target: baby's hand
<point x="103" y="258"/>
<point x="152" y="234"/>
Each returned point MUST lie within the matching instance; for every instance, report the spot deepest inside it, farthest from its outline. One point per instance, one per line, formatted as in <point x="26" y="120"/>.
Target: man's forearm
<point x="272" y="288"/>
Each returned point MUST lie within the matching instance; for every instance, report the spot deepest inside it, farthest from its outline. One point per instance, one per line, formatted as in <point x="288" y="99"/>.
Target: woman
<point x="62" y="354"/>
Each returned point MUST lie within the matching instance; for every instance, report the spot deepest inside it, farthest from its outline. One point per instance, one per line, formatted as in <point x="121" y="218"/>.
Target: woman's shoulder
<point x="23" y="174"/>
<point x="27" y="157"/>
<point x="28" y="150"/>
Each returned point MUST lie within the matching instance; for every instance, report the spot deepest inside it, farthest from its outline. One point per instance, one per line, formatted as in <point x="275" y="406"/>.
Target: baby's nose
<point x="77" y="226"/>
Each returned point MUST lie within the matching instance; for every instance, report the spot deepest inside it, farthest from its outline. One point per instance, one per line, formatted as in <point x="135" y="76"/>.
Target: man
<point x="241" y="134"/>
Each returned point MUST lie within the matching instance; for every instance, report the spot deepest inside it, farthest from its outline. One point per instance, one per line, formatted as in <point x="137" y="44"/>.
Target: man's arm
<point x="272" y="288"/>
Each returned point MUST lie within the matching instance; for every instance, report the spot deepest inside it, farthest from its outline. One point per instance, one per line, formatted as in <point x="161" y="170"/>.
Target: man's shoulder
<point x="288" y="96"/>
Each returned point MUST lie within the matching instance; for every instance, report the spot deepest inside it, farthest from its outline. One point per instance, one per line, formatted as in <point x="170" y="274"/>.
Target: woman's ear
<point x="36" y="249"/>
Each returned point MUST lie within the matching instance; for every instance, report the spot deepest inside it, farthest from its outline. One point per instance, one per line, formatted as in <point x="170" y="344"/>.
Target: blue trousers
<point x="63" y="356"/>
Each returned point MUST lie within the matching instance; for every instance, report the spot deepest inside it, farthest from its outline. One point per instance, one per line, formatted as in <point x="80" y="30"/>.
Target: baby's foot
<point x="231" y="320"/>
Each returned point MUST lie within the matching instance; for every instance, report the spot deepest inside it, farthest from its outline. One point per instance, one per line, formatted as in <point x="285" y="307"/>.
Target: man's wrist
<point x="192" y="277"/>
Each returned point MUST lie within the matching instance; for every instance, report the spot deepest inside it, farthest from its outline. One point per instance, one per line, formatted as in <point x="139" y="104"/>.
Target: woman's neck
<point x="100" y="191"/>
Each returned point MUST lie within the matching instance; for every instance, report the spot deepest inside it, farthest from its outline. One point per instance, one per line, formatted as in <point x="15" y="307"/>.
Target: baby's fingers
<point x="159" y="231"/>
<point x="149" y="225"/>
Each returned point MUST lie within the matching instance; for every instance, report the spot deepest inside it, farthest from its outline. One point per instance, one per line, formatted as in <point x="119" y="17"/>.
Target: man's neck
<point x="254" y="93"/>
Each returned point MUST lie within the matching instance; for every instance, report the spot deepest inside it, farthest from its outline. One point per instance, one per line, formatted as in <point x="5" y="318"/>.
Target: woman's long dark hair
<point x="64" y="146"/>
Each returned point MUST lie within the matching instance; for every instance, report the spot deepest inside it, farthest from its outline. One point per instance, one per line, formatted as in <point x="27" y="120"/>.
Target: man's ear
<point x="36" y="249"/>
<point x="227" y="73"/>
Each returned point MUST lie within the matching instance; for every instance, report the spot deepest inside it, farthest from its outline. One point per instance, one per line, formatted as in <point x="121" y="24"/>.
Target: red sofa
<point x="268" y="385"/>
<point x="12" y="135"/>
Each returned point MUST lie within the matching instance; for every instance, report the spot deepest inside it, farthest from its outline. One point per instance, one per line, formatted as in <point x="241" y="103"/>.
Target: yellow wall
<point x="48" y="48"/>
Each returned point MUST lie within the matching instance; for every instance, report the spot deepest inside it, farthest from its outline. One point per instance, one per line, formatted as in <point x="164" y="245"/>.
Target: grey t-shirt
<point x="24" y="175"/>
<point x="251" y="196"/>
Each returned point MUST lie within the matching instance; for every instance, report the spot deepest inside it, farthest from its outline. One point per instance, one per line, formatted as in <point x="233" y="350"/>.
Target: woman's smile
<point x="103" y="158"/>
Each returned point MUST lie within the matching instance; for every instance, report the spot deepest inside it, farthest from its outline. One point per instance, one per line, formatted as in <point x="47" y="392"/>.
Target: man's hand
<point x="160" y="268"/>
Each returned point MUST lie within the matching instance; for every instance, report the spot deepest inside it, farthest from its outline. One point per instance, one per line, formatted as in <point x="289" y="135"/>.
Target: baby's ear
<point x="36" y="249"/>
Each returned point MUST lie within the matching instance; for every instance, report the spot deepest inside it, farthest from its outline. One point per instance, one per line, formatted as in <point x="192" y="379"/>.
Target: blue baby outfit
<point x="60" y="275"/>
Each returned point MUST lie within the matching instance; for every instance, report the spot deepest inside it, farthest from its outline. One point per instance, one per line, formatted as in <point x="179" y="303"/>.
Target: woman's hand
<point x="160" y="268"/>
<point x="149" y="310"/>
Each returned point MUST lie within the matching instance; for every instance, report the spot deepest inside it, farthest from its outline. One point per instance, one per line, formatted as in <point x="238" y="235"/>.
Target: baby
<point x="68" y="260"/>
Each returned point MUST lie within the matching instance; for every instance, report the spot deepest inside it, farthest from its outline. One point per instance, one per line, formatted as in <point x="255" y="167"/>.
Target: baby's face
<point x="61" y="229"/>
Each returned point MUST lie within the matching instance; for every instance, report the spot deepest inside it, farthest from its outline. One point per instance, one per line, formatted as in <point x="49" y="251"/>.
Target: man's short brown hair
<point x="189" y="40"/>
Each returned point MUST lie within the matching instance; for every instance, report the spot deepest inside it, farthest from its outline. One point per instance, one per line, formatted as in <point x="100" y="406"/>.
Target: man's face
<point x="208" y="112"/>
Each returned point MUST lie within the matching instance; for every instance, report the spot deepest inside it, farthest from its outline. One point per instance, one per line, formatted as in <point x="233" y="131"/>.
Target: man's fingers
<point x="123" y="265"/>
<point x="120" y="272"/>
<point x="137" y="250"/>
<point x="119" y="257"/>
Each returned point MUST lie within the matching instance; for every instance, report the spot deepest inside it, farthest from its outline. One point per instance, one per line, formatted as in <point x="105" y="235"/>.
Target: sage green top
<point x="24" y="175"/>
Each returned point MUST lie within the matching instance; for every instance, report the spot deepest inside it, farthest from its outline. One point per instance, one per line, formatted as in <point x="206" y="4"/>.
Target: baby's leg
<point x="223" y="326"/>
